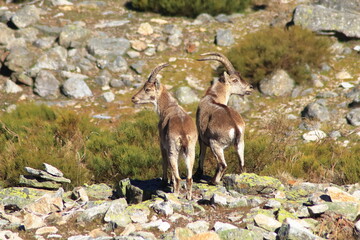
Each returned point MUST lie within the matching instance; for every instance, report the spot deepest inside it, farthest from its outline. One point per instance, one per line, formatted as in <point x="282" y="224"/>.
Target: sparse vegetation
<point x="191" y="8"/>
<point x="86" y="153"/>
<point x="296" y="50"/>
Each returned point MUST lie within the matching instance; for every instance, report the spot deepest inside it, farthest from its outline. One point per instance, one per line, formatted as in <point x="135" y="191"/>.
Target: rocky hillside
<point x="246" y="206"/>
<point x="91" y="56"/>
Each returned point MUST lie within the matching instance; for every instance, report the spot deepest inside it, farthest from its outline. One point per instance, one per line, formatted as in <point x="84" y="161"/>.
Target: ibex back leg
<point x="240" y="147"/>
<point x="221" y="164"/>
<point x="173" y="161"/>
<point x="189" y="162"/>
<point x="200" y="171"/>
<point x="165" y="164"/>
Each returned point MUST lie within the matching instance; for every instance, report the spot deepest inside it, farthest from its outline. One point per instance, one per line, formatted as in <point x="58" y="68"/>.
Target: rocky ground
<point x="91" y="56"/>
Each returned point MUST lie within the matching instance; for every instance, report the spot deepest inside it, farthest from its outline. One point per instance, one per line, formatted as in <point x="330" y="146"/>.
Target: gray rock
<point x="319" y="18"/>
<point x="45" y="42"/>
<point x="11" y="87"/>
<point x="357" y="229"/>
<point x="138" y="66"/>
<point x="30" y="34"/>
<point x="354" y="96"/>
<point x="199" y="226"/>
<point x="95" y="212"/>
<point x="314" y="135"/>
<point x="175" y="40"/>
<point x="172" y="29"/>
<point x="7" y="35"/>
<point x="151" y="51"/>
<point x="117" y="213"/>
<point x="114" y="23"/>
<point x="26" y="16"/>
<point x="185" y="95"/>
<point x="108" y="47"/>
<point x="118" y="65"/>
<point x="235" y="234"/>
<point x="20" y="59"/>
<point x="250" y="183"/>
<point x="99" y="191"/>
<point x="49" y="30"/>
<point x="318" y="209"/>
<point x="54" y="59"/>
<point x="310" y="125"/>
<point x="317" y="110"/>
<point x="341" y="5"/>
<point x="279" y="83"/>
<point x="73" y="36"/>
<point x="33" y="182"/>
<point x="61" y="3"/>
<point x="133" y="54"/>
<point x="220" y="226"/>
<point x="348" y="209"/>
<point x="203" y="18"/>
<point x="224" y="37"/>
<point x="291" y="229"/>
<point x="46" y="85"/>
<point x="44" y="175"/>
<point x="223" y="18"/>
<point x="272" y="203"/>
<point x="239" y="103"/>
<point x="104" y="78"/>
<point x="76" y="88"/>
<point x="327" y="94"/>
<point x="116" y="83"/>
<point x="268" y="223"/>
<point x="163" y="208"/>
<point x="218" y="199"/>
<point x="353" y="117"/>
<point x="52" y="170"/>
<point x="108" y="96"/>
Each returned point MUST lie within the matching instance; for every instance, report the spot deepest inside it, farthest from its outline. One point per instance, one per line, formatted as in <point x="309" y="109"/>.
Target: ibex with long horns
<point x="219" y="126"/>
<point x="177" y="130"/>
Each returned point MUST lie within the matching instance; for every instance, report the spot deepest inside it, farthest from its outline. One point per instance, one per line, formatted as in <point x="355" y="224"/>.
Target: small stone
<point x="224" y="37"/>
<point x="346" y="85"/>
<point x="266" y="222"/>
<point x="79" y="193"/>
<point x="314" y="135"/>
<point x="133" y="54"/>
<point x="145" y="29"/>
<point x="138" y="45"/>
<point x="318" y="209"/>
<point x="218" y="200"/>
<point x="46" y="230"/>
<point x="338" y="195"/>
<point x="198" y="226"/>
<point x="52" y="170"/>
<point x="343" y="75"/>
<point x="11" y="87"/>
<point x="163" y="208"/>
<point x="108" y="96"/>
<point x="219" y="226"/>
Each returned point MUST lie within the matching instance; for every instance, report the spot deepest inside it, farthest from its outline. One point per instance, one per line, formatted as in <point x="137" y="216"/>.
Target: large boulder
<point x="279" y="83"/>
<point x="341" y="5"/>
<point x="7" y="35"/>
<point x="54" y="59"/>
<point x="108" y="47"/>
<point x="319" y="18"/>
<point x="20" y="59"/>
<point x="353" y="117"/>
<point x="317" y="111"/>
<point x="73" y="36"/>
<point x="26" y="16"/>
<point x="46" y="85"/>
<point x="186" y="95"/>
<point x="76" y="88"/>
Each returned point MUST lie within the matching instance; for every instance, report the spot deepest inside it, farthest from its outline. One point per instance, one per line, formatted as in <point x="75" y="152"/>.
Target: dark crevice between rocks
<point x="5" y="71"/>
<point x="11" y="25"/>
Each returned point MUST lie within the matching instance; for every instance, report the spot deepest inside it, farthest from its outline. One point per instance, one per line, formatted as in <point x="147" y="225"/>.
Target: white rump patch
<point x="232" y="133"/>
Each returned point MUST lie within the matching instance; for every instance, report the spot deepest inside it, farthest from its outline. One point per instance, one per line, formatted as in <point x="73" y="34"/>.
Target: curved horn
<point x="156" y="70"/>
<point x="221" y="58"/>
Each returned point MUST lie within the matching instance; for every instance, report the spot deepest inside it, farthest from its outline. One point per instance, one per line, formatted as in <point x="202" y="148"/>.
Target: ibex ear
<point x="226" y="77"/>
<point x="157" y="84"/>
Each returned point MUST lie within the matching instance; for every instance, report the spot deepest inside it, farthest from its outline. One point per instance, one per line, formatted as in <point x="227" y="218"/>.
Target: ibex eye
<point x="147" y="90"/>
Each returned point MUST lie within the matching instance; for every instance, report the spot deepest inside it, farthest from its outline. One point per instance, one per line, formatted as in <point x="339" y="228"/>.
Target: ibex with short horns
<point x="177" y="130"/>
<point x="219" y="126"/>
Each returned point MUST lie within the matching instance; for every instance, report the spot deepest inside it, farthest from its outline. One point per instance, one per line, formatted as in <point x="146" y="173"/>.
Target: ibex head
<point x="230" y="77"/>
<point x="149" y="93"/>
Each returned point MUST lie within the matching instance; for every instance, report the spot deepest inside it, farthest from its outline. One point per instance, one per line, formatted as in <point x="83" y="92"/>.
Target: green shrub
<point x="191" y="8"/>
<point x="296" y="50"/>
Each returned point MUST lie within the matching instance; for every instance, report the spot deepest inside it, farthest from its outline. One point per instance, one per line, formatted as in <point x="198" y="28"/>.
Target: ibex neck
<point x="219" y="92"/>
<point x="165" y="102"/>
